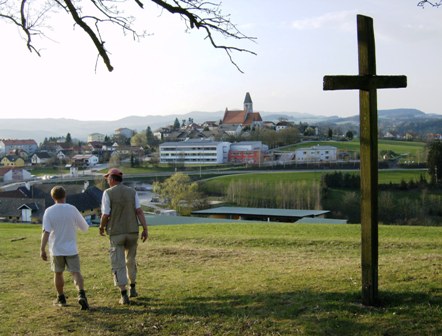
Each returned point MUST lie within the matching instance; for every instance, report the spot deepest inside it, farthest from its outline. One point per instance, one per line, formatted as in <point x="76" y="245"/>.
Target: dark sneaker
<point x="60" y="301"/>
<point x="133" y="292"/>
<point x="124" y="300"/>
<point x="82" y="300"/>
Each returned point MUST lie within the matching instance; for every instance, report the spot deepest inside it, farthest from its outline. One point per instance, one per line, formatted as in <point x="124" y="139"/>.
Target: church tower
<point x="248" y="104"/>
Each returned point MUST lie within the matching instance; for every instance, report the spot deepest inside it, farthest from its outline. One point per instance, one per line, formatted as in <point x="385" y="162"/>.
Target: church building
<point x="244" y="117"/>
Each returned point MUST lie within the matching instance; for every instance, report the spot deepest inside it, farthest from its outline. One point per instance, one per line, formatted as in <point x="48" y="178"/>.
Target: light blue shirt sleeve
<point x="137" y="201"/>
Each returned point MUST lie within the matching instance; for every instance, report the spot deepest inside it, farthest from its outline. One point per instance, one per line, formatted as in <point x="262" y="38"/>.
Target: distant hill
<point x="38" y="129"/>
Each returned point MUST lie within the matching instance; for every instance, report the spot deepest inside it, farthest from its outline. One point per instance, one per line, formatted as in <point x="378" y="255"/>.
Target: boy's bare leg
<point x="59" y="282"/>
<point x="78" y="280"/>
<point x="79" y="283"/>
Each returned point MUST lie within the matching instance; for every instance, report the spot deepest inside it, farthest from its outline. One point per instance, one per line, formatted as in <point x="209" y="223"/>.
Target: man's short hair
<point x="117" y="178"/>
<point x="58" y="193"/>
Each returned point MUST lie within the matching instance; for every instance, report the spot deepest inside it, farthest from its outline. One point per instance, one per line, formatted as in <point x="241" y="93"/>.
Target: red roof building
<point x="245" y="117"/>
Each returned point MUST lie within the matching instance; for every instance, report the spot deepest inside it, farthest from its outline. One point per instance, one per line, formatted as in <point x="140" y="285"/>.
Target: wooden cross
<point x="367" y="82"/>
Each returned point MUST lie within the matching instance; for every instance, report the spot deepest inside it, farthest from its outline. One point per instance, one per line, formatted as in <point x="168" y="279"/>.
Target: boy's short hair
<point x="58" y="193"/>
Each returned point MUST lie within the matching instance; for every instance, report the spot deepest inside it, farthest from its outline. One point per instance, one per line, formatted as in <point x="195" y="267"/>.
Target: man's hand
<point x="43" y="255"/>
<point x="144" y="235"/>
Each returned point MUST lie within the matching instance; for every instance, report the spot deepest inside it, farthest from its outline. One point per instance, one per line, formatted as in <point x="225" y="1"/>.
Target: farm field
<point x="231" y="279"/>
<point x="385" y="177"/>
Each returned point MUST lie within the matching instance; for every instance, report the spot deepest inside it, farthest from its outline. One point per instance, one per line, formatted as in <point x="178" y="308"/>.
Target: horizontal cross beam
<point x="364" y="82"/>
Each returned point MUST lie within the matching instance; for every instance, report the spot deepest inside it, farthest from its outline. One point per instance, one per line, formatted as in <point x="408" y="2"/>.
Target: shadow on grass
<point x="316" y="313"/>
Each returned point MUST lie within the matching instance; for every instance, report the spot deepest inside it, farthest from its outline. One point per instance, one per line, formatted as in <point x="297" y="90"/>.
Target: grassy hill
<point x="231" y="279"/>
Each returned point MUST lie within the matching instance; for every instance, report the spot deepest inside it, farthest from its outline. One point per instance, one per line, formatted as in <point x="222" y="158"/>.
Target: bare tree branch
<point x="430" y="3"/>
<point x="92" y="15"/>
<point x="98" y="43"/>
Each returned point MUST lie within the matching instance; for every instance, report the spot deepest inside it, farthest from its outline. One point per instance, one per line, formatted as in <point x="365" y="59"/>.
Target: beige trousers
<point x="123" y="251"/>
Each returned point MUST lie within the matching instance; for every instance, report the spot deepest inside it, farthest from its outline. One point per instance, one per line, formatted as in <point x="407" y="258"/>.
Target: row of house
<point x="203" y="151"/>
<point x="232" y="124"/>
<point x="28" y="203"/>
<point x="198" y="144"/>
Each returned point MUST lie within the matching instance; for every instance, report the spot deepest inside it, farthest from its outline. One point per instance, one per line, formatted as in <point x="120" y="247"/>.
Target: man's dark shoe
<point x="60" y="301"/>
<point x="133" y="292"/>
<point x="82" y="300"/>
<point x="124" y="300"/>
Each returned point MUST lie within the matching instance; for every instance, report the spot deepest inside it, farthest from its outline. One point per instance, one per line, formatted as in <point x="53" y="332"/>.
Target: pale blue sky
<point x="172" y="72"/>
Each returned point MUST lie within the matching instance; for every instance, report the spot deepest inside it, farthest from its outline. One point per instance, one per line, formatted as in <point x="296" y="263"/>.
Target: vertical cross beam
<point x="369" y="163"/>
<point x="367" y="82"/>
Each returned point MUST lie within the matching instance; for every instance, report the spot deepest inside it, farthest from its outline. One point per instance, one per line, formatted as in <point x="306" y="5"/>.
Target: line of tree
<point x="434" y="161"/>
<point x="281" y="195"/>
<point x="341" y="180"/>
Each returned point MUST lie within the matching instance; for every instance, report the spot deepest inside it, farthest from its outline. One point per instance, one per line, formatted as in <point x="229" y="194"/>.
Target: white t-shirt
<point x="62" y="220"/>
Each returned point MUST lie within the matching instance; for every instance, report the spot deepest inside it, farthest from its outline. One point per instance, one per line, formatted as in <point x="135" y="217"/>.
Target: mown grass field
<point x="231" y="279"/>
<point x="220" y="184"/>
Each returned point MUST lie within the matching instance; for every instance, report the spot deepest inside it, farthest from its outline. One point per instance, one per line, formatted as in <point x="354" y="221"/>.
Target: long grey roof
<point x="309" y="220"/>
<point x="261" y="212"/>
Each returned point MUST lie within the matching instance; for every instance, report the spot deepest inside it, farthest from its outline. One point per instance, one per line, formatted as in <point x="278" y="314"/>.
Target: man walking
<point x="121" y="212"/>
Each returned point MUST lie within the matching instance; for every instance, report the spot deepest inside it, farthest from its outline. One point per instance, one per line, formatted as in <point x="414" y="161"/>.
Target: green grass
<point x="231" y="279"/>
<point x="385" y="177"/>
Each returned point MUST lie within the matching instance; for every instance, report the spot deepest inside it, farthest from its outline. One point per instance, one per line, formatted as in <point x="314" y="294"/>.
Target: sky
<point x="174" y="72"/>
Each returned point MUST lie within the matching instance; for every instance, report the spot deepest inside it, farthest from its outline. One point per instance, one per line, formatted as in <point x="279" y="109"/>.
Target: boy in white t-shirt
<point x="60" y="223"/>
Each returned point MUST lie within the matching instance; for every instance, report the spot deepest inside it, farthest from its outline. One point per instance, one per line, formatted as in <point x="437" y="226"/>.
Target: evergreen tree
<point x="176" y="124"/>
<point x="150" y="137"/>
<point x="330" y="133"/>
<point x="68" y="138"/>
<point x="434" y="161"/>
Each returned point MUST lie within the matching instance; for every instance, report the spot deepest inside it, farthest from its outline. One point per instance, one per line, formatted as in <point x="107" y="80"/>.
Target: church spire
<point x="248" y="104"/>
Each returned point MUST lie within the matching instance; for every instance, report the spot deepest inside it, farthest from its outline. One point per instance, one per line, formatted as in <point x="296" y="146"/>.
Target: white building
<point x="28" y="145"/>
<point x="84" y="160"/>
<point x="10" y="174"/>
<point x="95" y="137"/>
<point x="40" y="158"/>
<point x="125" y="132"/>
<point x="316" y="154"/>
<point x="194" y="151"/>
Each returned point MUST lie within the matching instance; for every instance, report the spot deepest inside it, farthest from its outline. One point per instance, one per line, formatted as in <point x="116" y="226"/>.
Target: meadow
<point x="220" y="184"/>
<point x="231" y="279"/>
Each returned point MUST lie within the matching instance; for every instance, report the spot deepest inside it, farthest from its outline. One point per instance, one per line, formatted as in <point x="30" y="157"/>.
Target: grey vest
<point x="123" y="218"/>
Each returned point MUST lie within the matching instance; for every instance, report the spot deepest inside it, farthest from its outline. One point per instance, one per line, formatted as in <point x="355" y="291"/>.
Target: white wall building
<point x="126" y="132"/>
<point x="8" y="174"/>
<point x="316" y="154"/>
<point x="28" y="145"/>
<point x="95" y="137"/>
<point x="84" y="160"/>
<point x="194" y="151"/>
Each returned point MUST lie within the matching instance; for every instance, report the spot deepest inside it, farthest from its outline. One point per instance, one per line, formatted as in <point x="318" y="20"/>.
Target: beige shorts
<point x="59" y="263"/>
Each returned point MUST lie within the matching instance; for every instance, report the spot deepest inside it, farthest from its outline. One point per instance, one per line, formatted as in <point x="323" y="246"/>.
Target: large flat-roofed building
<point x="316" y="154"/>
<point x="251" y="152"/>
<point x="95" y="137"/>
<point x="194" y="151"/>
<point x="28" y="145"/>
